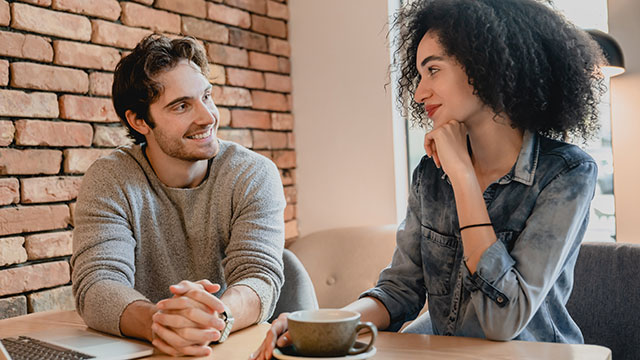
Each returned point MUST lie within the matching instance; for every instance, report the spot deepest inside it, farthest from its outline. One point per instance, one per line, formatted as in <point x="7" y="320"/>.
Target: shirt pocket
<point x="438" y="258"/>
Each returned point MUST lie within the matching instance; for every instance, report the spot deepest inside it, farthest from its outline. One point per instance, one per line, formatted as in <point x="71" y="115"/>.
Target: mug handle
<point x="374" y="334"/>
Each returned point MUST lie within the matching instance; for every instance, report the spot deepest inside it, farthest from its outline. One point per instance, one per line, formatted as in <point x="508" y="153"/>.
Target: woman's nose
<point x="423" y="92"/>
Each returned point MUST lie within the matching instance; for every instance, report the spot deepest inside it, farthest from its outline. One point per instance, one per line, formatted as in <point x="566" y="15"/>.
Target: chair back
<point x="343" y="263"/>
<point x="605" y="302"/>
<point x="297" y="291"/>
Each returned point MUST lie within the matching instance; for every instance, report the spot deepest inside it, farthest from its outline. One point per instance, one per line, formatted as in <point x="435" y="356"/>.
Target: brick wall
<point x="56" y="68"/>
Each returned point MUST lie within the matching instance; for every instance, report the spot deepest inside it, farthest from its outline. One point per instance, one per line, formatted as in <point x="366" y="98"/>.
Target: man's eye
<point x="180" y="107"/>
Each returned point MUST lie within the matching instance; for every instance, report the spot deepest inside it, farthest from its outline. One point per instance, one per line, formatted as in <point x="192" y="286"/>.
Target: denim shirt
<point x="539" y="212"/>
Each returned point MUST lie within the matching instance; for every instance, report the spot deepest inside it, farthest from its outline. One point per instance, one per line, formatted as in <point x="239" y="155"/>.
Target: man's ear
<point x="137" y="123"/>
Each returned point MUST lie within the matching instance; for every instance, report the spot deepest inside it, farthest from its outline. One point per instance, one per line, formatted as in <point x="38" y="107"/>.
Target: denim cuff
<point x="493" y="264"/>
<point x="395" y="309"/>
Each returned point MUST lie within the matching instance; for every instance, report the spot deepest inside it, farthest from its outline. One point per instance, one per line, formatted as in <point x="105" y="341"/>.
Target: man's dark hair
<point x="523" y="59"/>
<point x="134" y="87"/>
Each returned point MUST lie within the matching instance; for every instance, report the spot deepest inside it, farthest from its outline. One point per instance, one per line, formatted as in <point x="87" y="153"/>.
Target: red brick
<point x="100" y="83"/>
<point x="197" y="8"/>
<point x="279" y="47"/>
<point x="281" y="121"/>
<point x="256" y="6"/>
<point x="72" y="211"/>
<point x="242" y="137"/>
<point x="291" y="194"/>
<point x="21" y="219"/>
<point x="85" y="55"/>
<point x="247" y="39"/>
<point x="275" y="82"/>
<point x="35" y="104"/>
<point x="146" y="2"/>
<point x="27" y="162"/>
<point x="206" y="30"/>
<point x="269" y="101"/>
<point x="245" y="78"/>
<point x="4" y="72"/>
<point x="83" y="108"/>
<point x="25" y="46"/>
<point x="56" y="23"/>
<point x="277" y="10"/>
<point x="146" y="17"/>
<point x="48" y="245"/>
<point x="46" y="77"/>
<point x="285" y="159"/>
<point x="291" y="230"/>
<point x="217" y="74"/>
<point x="110" y="136"/>
<point x="227" y="55"/>
<point x="44" y="3"/>
<point x="269" y="140"/>
<point x="50" y="133"/>
<point x="49" y="189"/>
<point x="5" y="13"/>
<point x="264" y="62"/>
<point x="288" y="176"/>
<point x="284" y="65"/>
<point x="7" y="130"/>
<point x="108" y="33"/>
<point x="13" y="306"/>
<point x="33" y="277"/>
<point x="11" y="251"/>
<point x="106" y="9"/>
<point x="225" y="116"/>
<point x="264" y="25"/>
<point x="231" y="96"/>
<point x="250" y="119"/>
<point x="289" y="212"/>
<point x="77" y="161"/>
<point x="291" y="140"/>
<point x="56" y="299"/>
<point x="9" y="191"/>
<point x="228" y="15"/>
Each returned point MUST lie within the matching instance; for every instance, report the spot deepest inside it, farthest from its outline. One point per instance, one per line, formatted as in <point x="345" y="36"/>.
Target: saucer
<point x="289" y="353"/>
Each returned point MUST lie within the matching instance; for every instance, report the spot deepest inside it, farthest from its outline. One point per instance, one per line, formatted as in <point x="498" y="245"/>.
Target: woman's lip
<point x="431" y="109"/>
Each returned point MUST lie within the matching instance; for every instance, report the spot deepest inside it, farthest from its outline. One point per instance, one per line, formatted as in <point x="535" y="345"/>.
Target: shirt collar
<point x="525" y="168"/>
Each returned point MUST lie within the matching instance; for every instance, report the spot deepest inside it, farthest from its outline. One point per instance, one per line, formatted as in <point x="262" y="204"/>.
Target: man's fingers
<point x="194" y="350"/>
<point x="164" y="347"/>
<point x="169" y="337"/>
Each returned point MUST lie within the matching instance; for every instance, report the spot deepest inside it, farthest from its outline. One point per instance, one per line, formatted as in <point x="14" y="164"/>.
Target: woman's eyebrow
<point x="430" y="58"/>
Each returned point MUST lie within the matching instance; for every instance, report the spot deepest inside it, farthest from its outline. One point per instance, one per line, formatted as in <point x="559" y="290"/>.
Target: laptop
<point x="94" y="344"/>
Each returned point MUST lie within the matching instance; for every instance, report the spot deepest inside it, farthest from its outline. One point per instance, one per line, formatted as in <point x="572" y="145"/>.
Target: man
<point x="178" y="238"/>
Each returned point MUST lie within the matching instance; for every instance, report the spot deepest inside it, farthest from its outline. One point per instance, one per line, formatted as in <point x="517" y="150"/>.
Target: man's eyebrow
<point x="183" y="98"/>
<point x="177" y="100"/>
<point x="430" y="58"/>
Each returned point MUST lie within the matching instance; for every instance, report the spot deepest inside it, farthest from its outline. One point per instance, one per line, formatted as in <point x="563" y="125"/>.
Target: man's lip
<point x="430" y="109"/>
<point x="207" y="131"/>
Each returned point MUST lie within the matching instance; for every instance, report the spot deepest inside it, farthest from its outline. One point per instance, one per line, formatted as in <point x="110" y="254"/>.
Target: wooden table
<point x="390" y="346"/>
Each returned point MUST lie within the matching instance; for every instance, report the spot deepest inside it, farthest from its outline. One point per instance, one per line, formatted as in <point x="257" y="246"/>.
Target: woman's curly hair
<point x="523" y="59"/>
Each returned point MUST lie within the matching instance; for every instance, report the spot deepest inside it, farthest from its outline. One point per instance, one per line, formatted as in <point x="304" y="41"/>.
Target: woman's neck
<point x="495" y="147"/>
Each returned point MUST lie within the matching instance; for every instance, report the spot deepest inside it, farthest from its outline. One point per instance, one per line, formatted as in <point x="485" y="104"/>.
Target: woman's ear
<point x="138" y="124"/>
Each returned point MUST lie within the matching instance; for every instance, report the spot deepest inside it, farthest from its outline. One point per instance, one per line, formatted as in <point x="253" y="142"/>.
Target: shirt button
<point x="500" y="300"/>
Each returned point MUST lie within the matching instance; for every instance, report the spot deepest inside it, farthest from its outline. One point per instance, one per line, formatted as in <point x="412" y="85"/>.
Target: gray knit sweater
<point x="134" y="236"/>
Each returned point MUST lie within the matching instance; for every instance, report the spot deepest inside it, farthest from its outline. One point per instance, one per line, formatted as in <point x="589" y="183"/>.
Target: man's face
<point x="185" y="117"/>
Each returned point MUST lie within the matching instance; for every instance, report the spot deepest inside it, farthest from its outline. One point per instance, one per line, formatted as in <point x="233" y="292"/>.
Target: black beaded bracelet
<point x="475" y="225"/>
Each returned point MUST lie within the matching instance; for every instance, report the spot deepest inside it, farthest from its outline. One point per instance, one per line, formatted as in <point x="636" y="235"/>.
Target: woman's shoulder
<point x="552" y="151"/>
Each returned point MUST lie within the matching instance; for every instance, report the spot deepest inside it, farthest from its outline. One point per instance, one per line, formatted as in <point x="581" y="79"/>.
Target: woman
<point x="499" y="206"/>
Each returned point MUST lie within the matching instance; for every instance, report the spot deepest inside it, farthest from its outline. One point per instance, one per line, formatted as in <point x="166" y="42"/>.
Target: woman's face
<point x="444" y="86"/>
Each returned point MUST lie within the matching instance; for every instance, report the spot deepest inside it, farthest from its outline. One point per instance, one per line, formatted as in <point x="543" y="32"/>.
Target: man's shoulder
<point x="233" y="154"/>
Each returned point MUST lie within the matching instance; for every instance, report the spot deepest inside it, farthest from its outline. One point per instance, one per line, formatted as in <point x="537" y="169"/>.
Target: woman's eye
<point x="432" y="70"/>
<point x="207" y="96"/>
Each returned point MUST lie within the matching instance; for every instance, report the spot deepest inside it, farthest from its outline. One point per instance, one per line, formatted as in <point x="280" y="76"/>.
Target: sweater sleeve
<point x="253" y="256"/>
<point x="103" y="261"/>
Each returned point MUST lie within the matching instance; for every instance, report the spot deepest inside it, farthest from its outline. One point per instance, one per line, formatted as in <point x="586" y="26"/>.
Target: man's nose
<point x="207" y="113"/>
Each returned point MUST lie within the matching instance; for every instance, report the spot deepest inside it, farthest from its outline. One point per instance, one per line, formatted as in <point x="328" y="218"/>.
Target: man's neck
<point x="177" y="173"/>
